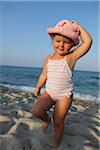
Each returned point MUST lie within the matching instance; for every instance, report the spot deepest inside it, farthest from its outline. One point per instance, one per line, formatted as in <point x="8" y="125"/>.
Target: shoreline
<point x="19" y="130"/>
<point x="4" y="88"/>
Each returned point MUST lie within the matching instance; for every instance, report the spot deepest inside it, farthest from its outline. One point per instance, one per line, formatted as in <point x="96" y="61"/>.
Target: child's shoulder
<point x="49" y="56"/>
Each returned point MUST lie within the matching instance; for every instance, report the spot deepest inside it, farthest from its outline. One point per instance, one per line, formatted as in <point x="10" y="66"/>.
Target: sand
<point x="19" y="130"/>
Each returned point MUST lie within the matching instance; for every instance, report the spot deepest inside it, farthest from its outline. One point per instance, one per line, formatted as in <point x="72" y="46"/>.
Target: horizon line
<point x="1" y="65"/>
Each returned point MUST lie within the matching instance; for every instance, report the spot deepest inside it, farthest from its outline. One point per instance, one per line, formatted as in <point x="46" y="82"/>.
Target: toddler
<point x="57" y="75"/>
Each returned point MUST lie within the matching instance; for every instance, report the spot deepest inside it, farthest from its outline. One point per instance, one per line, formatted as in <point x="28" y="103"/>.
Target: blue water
<point x="86" y="84"/>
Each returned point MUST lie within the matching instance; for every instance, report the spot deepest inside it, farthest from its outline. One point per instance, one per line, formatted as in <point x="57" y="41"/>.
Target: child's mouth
<point x="61" y="49"/>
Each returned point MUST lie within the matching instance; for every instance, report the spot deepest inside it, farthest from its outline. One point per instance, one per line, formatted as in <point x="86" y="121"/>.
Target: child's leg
<point x="61" y="108"/>
<point x="40" y="108"/>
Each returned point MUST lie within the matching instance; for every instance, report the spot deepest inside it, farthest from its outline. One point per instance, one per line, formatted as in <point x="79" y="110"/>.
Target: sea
<point x="86" y="83"/>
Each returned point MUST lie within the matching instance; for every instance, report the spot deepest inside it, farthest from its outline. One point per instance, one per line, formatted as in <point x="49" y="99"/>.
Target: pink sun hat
<point x="66" y="28"/>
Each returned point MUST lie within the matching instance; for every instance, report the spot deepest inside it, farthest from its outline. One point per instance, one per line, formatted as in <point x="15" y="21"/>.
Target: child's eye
<point x="58" y="40"/>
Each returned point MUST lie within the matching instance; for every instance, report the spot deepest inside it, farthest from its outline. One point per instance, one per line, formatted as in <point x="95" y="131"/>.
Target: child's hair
<point x="66" y="28"/>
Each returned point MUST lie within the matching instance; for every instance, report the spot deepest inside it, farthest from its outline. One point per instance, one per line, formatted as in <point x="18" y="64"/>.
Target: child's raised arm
<point x="84" y="47"/>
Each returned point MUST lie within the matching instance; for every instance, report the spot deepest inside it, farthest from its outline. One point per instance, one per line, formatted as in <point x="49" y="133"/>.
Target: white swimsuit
<point x="59" y="79"/>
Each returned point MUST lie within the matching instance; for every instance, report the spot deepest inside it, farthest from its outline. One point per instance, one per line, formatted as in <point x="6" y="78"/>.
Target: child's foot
<point x="54" y="144"/>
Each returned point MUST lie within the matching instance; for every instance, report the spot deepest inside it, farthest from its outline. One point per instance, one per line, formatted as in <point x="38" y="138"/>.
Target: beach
<point x="19" y="130"/>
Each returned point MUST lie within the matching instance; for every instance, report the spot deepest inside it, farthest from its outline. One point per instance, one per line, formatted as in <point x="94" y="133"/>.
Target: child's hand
<point x="76" y="25"/>
<point x="37" y="92"/>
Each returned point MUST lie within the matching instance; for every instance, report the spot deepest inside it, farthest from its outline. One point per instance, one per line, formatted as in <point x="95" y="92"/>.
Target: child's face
<point x="62" y="45"/>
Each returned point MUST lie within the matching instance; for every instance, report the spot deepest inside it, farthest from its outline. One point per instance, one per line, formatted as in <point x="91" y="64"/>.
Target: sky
<point x="24" y="40"/>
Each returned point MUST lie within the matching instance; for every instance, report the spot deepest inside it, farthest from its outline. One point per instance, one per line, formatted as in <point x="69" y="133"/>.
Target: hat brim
<point x="52" y="31"/>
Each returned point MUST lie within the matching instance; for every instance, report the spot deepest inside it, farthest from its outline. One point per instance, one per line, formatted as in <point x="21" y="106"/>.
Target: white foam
<point x="22" y="88"/>
<point x="84" y="96"/>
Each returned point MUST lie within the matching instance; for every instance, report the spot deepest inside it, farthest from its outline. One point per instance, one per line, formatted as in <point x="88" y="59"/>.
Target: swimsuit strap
<point x="65" y="57"/>
<point x="50" y="55"/>
<point x="53" y="53"/>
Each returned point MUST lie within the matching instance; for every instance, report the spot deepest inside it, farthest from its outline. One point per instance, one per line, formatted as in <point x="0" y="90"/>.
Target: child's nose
<point x="61" y="43"/>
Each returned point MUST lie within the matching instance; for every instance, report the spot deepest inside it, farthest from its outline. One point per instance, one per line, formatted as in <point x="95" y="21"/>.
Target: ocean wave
<point x="77" y="96"/>
<point x="97" y="78"/>
<point x="21" y="87"/>
<point x="86" y="97"/>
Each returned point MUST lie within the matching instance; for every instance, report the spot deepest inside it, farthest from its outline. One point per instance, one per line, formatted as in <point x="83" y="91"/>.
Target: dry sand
<point x="19" y="130"/>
